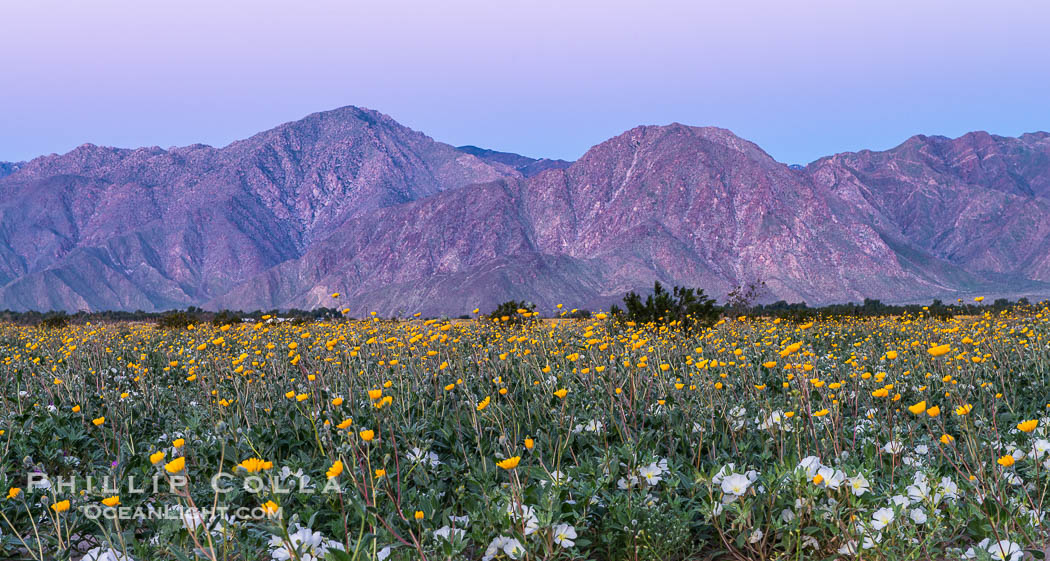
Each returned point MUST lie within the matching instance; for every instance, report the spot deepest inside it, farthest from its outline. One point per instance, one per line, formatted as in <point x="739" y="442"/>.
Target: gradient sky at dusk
<point x="542" y="78"/>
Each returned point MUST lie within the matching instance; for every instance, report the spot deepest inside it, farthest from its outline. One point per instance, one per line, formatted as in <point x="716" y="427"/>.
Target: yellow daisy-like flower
<point x="1028" y="426"/>
<point x="1005" y="461"/>
<point x="509" y="463"/>
<point x="790" y="349"/>
<point x="918" y="408"/>
<point x="61" y="506"/>
<point x="335" y="470"/>
<point x="176" y="465"/>
<point x="367" y="435"/>
<point x="13" y="492"/>
<point x="939" y="350"/>
<point x="156" y="458"/>
<point x="98" y="422"/>
<point x="254" y="465"/>
<point x="111" y="501"/>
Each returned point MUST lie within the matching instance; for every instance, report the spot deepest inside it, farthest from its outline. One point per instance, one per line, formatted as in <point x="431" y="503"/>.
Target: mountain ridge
<point x="350" y="201"/>
<point x="524" y="164"/>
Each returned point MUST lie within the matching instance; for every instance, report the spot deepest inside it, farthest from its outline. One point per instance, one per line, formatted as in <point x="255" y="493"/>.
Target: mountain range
<point x="351" y="201"/>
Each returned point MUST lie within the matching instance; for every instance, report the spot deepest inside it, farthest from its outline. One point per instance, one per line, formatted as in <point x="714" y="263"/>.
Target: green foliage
<point x="226" y="317"/>
<point x="632" y="455"/>
<point x="510" y="312"/>
<point x="578" y="314"/>
<point x="686" y="308"/>
<point x="177" y="320"/>
<point x="55" y="320"/>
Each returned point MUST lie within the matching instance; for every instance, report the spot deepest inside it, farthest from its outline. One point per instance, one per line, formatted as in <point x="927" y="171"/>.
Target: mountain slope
<point x="981" y="202"/>
<point x="177" y="227"/>
<point x="685" y="205"/>
<point x="350" y="201"/>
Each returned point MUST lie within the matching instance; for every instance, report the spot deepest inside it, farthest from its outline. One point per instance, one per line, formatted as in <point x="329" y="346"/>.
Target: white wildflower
<point x="564" y="534"/>
<point x="859" y="485"/>
<point x="105" y="554"/>
<point x="509" y="546"/>
<point x="449" y="534"/>
<point x="882" y="518"/>
<point x="893" y="447"/>
<point x="303" y="545"/>
<point x="735" y="484"/>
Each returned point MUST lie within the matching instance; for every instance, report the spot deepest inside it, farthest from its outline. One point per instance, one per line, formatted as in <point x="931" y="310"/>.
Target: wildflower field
<point x="876" y="438"/>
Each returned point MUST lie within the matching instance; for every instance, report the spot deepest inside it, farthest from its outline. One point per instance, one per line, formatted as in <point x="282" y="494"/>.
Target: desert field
<point x="876" y="438"/>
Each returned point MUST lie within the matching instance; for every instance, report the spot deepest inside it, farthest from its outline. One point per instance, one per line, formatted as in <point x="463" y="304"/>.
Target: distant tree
<point x="741" y="299"/>
<point x="687" y="308"/>
<point x="513" y="312"/>
<point x="226" y="317"/>
<point x="938" y="310"/>
<point x="176" y="320"/>
<point x="579" y="314"/>
<point x="327" y="313"/>
<point x="55" y="320"/>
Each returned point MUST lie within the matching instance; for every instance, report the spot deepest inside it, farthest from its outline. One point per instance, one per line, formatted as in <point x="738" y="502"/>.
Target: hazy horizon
<point x="540" y="79"/>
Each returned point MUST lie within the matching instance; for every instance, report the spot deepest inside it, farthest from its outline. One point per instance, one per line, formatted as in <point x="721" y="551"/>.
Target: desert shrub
<point x="513" y="312"/>
<point x="176" y="320"/>
<point x="686" y="308"/>
<point x="55" y="320"/>
<point x="226" y="317"/>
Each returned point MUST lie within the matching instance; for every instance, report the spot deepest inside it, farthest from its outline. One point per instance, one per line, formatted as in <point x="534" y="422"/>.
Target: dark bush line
<point x="689" y="307"/>
<point x="870" y="308"/>
<point x="170" y="318"/>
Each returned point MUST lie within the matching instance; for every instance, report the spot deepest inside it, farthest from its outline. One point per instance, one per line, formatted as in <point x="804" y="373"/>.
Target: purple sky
<point x="542" y="78"/>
